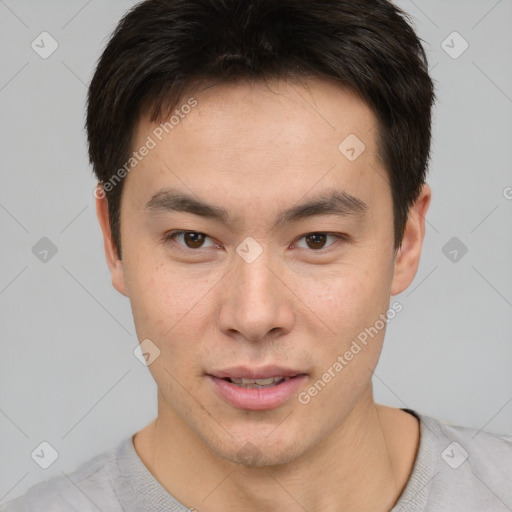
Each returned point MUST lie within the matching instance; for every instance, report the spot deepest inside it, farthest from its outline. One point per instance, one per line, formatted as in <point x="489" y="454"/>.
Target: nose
<point x="256" y="304"/>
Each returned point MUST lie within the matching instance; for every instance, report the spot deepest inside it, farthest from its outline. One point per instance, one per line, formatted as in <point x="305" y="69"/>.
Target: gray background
<point x="68" y="373"/>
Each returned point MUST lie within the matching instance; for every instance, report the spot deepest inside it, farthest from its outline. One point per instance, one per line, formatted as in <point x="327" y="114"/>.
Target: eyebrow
<point x="333" y="202"/>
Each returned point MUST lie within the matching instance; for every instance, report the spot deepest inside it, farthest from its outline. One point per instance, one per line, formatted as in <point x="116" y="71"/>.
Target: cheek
<point x="350" y="296"/>
<point x="353" y="308"/>
<point x="161" y="300"/>
<point x="169" y="305"/>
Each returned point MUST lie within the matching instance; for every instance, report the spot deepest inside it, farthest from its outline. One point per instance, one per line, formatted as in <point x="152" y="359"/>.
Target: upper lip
<point x="250" y="372"/>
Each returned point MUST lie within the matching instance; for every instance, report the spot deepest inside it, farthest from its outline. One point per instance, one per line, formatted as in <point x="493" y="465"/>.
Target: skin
<point x="255" y="150"/>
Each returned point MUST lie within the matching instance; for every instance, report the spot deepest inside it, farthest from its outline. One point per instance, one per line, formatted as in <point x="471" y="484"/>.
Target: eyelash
<point x="171" y="236"/>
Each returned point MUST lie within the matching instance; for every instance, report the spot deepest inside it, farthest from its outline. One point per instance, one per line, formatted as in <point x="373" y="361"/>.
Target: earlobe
<point x="408" y="256"/>
<point x="115" y="264"/>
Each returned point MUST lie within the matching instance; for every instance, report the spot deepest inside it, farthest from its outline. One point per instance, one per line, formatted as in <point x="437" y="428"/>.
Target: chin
<point x="260" y="451"/>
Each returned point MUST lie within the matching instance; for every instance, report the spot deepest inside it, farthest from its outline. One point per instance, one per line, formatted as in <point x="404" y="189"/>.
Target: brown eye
<point x="191" y="239"/>
<point x="316" y="240"/>
<point x="319" y="240"/>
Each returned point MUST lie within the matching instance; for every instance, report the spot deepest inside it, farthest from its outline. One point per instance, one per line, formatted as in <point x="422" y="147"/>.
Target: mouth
<point x="257" y="392"/>
<point x="257" y="383"/>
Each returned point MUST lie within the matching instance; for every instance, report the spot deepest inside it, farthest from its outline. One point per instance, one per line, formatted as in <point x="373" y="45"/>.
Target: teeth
<point x="257" y="383"/>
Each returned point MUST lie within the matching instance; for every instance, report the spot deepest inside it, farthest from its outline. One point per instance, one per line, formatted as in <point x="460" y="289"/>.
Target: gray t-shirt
<point x="456" y="469"/>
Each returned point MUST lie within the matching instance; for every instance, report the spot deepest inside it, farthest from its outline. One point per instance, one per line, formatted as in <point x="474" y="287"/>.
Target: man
<point x="262" y="197"/>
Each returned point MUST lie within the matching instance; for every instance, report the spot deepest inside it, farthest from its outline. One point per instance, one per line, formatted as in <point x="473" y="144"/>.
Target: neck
<point x="363" y="465"/>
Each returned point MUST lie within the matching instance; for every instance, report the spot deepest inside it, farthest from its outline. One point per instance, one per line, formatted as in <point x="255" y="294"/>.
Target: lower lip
<point x="257" y="399"/>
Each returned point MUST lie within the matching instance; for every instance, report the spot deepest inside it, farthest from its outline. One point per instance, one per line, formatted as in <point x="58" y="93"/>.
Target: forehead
<point x="283" y="136"/>
<point x="255" y="112"/>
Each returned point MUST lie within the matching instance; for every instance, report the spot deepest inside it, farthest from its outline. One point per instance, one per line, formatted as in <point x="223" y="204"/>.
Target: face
<point x="284" y="265"/>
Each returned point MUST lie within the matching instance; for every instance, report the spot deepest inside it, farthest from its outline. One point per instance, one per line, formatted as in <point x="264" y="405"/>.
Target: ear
<point x="407" y="258"/>
<point x="114" y="263"/>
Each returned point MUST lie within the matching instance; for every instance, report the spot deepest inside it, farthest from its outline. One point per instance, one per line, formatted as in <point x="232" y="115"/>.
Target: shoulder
<point x="478" y="450"/>
<point x="468" y="469"/>
<point x="87" y="488"/>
